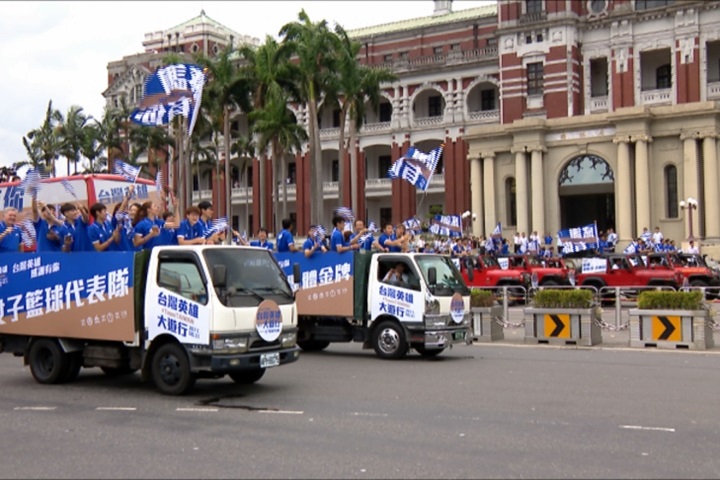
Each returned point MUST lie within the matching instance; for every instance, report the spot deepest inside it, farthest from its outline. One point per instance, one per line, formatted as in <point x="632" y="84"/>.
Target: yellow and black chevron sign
<point x="666" y="327"/>
<point x="557" y="325"/>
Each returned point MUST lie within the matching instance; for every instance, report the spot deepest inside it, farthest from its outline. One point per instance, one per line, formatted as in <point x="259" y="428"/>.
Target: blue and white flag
<point x="68" y="187"/>
<point x="348" y="215"/>
<point x="170" y="91"/>
<point x="371" y="229"/>
<point x="447" y="225"/>
<point x="318" y="232"/>
<point x="413" y="224"/>
<point x="31" y="183"/>
<point x="159" y="180"/>
<point x="632" y="248"/>
<point x="579" y="238"/>
<point x="27" y="232"/>
<point x="243" y="236"/>
<point x="497" y="233"/>
<point x="218" y="226"/>
<point x="125" y="170"/>
<point x="416" y="167"/>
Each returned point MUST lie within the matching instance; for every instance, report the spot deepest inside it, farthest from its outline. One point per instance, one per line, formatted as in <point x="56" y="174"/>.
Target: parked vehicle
<point x="544" y="272"/>
<point x="694" y="269"/>
<point x="486" y="272"/>
<point x="176" y="313"/>
<point x="358" y="297"/>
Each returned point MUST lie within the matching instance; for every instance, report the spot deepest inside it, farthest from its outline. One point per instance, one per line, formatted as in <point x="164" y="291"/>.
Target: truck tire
<point x="429" y="352"/>
<point x="48" y="363"/>
<point x="389" y="341"/>
<point x="75" y="363"/>
<point x="118" y="371"/>
<point x="171" y="370"/>
<point x="247" y="377"/>
<point x="313" y="345"/>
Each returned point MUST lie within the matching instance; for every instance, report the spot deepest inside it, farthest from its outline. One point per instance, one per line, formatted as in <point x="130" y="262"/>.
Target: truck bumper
<point x="250" y="361"/>
<point x="442" y="338"/>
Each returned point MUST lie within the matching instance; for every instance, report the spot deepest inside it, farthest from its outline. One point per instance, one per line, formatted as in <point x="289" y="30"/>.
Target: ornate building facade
<point x="554" y="113"/>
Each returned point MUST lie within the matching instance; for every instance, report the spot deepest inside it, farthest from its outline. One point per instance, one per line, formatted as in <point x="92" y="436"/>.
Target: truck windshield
<point x="252" y="276"/>
<point x="449" y="279"/>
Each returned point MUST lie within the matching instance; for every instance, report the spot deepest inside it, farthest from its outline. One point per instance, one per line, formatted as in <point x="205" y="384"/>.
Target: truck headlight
<point x="288" y="339"/>
<point x="231" y="345"/>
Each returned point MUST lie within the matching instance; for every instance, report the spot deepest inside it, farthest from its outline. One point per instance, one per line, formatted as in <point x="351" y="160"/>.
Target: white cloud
<point x="59" y="50"/>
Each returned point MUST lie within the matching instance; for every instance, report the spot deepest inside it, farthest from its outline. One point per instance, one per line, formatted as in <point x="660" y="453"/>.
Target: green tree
<point x="72" y="133"/>
<point x="313" y="45"/>
<point x="44" y="143"/>
<point x="276" y="127"/>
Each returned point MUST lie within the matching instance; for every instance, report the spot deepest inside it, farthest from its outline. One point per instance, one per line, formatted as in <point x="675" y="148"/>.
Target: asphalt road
<point x="500" y="411"/>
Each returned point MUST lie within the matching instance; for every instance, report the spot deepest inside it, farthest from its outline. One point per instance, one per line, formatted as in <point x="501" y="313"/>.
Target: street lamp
<point x="690" y="204"/>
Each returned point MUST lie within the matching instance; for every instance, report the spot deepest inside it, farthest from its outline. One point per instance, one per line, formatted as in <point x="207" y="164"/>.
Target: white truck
<point x="176" y="313"/>
<point x="346" y="297"/>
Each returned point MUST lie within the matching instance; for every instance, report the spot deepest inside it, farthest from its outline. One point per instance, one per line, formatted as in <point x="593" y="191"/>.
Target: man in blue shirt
<point x="102" y="235"/>
<point x="46" y="225"/>
<point x="206" y="214"/>
<point x="313" y="243"/>
<point x="285" y="241"/>
<point x="360" y="230"/>
<point x="73" y="233"/>
<point x="10" y="238"/>
<point x="337" y="238"/>
<point x="190" y="231"/>
<point x="262" y="240"/>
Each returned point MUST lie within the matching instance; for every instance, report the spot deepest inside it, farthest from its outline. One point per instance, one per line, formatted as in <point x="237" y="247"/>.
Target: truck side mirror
<point x="219" y="276"/>
<point x="432" y="276"/>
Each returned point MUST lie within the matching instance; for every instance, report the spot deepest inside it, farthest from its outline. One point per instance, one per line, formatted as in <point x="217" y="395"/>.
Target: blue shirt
<point x="168" y="236"/>
<point x="78" y="231"/>
<point x="100" y="232"/>
<point x="265" y="244"/>
<point x="190" y="232"/>
<point x="364" y="245"/>
<point x="284" y="240"/>
<point x="126" y="235"/>
<point x="337" y="238"/>
<point x="144" y="227"/>
<point x="384" y="238"/>
<point x="44" y="244"/>
<point x="11" y="242"/>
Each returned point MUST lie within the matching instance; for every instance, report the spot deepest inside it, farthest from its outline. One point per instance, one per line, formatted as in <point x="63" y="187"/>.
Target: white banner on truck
<point x="402" y="303"/>
<point x="594" y="265"/>
<point x="181" y="317"/>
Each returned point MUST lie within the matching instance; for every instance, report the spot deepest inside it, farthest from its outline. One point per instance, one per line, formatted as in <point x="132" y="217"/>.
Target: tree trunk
<point x="354" y="171"/>
<point x="228" y="182"/>
<point x="317" y="214"/>
<point x="261" y="188"/>
<point x="283" y="175"/>
<point x="276" y="176"/>
<point x="342" y="153"/>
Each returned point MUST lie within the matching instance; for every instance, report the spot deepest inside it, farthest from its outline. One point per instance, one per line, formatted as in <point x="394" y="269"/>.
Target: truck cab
<point x="390" y="302"/>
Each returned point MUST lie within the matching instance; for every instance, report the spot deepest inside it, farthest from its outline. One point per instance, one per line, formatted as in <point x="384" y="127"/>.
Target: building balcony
<point x="713" y="90"/>
<point x="200" y="195"/>
<point x="327" y="133"/>
<point x="379" y="127"/>
<point x="662" y="96"/>
<point x="532" y="18"/>
<point x="428" y="121"/>
<point x="241" y="194"/>
<point x="599" y="104"/>
<point x="485" y="116"/>
<point x="439" y="60"/>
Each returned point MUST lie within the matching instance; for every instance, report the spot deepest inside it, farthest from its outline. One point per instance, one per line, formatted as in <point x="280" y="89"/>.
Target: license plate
<point x="458" y="335"/>
<point x="268" y="360"/>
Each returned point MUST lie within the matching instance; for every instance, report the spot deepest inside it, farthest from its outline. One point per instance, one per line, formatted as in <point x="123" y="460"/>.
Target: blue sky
<point x="59" y="50"/>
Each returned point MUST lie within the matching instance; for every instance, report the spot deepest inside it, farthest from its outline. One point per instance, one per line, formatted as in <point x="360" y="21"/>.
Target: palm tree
<point x="108" y="133"/>
<point x="91" y="148"/>
<point x="225" y="90"/>
<point x="277" y="127"/>
<point x="313" y="44"/>
<point x="244" y="148"/>
<point x="268" y="66"/>
<point x="71" y="131"/>
<point x="44" y="142"/>
<point x="356" y="83"/>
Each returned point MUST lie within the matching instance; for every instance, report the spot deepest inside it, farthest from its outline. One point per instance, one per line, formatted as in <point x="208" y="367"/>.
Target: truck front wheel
<point x="171" y="370"/>
<point x="247" y="377"/>
<point x="48" y="363"/>
<point x="389" y="341"/>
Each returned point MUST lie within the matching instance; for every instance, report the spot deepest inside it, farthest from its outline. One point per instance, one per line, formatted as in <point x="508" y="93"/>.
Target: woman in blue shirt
<point x="147" y="226"/>
<point x="191" y="231"/>
<point x="102" y="235"/>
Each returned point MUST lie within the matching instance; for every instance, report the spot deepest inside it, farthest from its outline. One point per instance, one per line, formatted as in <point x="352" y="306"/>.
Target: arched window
<point x="671" y="192"/>
<point x="510" y="201"/>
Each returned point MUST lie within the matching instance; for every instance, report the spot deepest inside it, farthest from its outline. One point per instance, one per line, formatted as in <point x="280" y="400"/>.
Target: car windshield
<point x="490" y="262"/>
<point x="449" y="280"/>
<point x="252" y="274"/>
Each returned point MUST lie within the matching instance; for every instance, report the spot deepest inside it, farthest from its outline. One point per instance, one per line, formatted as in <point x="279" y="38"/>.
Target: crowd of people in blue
<point x="72" y="227"/>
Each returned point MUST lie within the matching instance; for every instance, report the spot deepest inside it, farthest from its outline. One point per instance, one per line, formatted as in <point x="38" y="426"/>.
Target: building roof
<point x="199" y="20"/>
<point x="427" y="21"/>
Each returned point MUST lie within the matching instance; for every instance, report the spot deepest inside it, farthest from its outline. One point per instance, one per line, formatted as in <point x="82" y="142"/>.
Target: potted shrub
<point x="564" y="317"/>
<point x="669" y="319"/>
<point x="485" y="311"/>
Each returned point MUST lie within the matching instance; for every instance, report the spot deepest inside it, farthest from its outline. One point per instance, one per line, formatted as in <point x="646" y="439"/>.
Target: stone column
<point x="489" y="190"/>
<point x="476" y="196"/>
<point x="538" y="190"/>
<point x="642" y="183"/>
<point x="710" y="177"/>
<point x="623" y="200"/>
<point x="690" y="161"/>
<point x="521" y="194"/>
